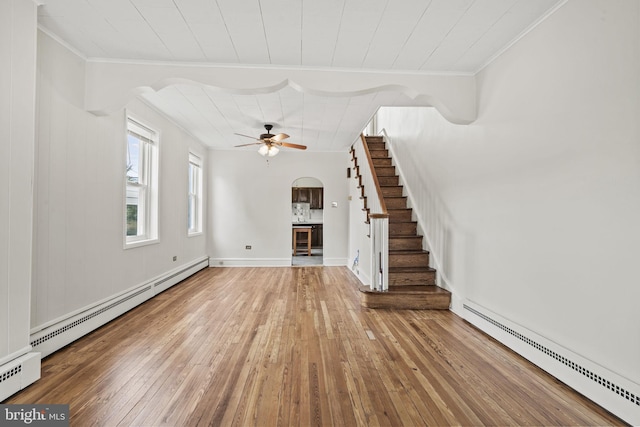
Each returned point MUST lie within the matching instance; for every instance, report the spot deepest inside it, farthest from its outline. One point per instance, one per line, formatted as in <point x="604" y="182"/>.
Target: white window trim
<point x="196" y="161"/>
<point x="152" y="169"/>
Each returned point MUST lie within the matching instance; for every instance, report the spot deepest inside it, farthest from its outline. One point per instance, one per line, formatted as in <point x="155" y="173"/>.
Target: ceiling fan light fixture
<point x="268" y="150"/>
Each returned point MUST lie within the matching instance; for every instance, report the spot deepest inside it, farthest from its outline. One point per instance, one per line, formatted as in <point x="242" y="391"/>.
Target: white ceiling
<point x="437" y="36"/>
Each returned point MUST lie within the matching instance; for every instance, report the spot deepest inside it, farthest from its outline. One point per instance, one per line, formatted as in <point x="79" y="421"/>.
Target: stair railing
<point x="377" y="215"/>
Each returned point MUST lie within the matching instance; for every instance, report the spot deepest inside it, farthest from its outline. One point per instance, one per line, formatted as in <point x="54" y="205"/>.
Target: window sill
<point x="138" y="243"/>
<point x="195" y="234"/>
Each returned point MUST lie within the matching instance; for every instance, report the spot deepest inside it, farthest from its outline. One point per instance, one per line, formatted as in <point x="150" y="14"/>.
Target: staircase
<point x="412" y="283"/>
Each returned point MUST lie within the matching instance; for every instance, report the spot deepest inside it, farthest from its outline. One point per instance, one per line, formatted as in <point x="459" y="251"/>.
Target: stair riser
<point x="420" y="259"/>
<point x="376" y="145"/>
<point x="391" y="191"/>
<point x="402" y="228"/>
<point x="382" y="162"/>
<point x="395" y="202"/>
<point x="388" y="180"/>
<point x="402" y="215"/>
<point x="379" y="154"/>
<point x="407" y="302"/>
<point x="412" y="279"/>
<point x="405" y="244"/>
<point x="385" y="170"/>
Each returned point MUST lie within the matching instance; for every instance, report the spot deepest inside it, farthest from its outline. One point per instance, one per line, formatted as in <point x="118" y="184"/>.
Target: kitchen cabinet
<point x="316" y="235"/>
<point x="313" y="196"/>
<point x="316" y="196"/>
<point x="300" y="195"/>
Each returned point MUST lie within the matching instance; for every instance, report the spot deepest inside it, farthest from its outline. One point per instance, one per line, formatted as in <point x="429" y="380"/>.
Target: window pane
<point x="134" y="158"/>
<point x="192" y="181"/>
<point x="136" y="208"/>
<point x="192" y="213"/>
<point x="133" y="203"/>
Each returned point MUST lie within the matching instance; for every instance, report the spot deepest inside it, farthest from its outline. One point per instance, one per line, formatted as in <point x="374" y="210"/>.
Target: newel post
<point x="379" y="224"/>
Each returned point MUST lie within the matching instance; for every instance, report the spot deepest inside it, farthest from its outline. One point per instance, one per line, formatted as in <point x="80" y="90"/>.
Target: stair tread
<point x="410" y="269"/>
<point x="406" y="236"/>
<point x="408" y="289"/>
<point x="407" y="251"/>
<point x="412" y="289"/>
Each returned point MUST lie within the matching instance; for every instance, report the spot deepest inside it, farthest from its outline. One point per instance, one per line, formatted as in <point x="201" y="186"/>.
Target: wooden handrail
<point x="374" y="175"/>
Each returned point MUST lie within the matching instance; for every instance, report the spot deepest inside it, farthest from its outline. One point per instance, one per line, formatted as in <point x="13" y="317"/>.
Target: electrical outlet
<point x="248" y="247"/>
<point x="175" y="257"/>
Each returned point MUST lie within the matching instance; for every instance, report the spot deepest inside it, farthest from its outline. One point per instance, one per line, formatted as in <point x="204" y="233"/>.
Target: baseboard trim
<point x="334" y="262"/>
<point x="249" y="262"/>
<point x="613" y="392"/>
<point x="18" y="373"/>
<point x="55" y="335"/>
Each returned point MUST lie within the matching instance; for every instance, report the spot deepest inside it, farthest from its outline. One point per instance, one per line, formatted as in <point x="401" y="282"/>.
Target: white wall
<point x="250" y="204"/>
<point x="533" y="209"/>
<point x="17" y="117"/>
<point x="80" y="167"/>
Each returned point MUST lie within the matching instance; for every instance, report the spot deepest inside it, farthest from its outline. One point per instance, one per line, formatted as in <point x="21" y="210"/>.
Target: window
<point x="141" y="185"/>
<point x="194" y="204"/>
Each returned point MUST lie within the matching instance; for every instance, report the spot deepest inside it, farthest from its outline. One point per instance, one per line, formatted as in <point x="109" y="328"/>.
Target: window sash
<point x="194" y="195"/>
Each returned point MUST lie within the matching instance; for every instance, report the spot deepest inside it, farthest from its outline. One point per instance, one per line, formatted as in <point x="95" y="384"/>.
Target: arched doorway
<point x="307" y="215"/>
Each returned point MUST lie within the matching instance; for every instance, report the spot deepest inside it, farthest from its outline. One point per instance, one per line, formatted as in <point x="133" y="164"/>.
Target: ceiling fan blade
<point x="246" y="145"/>
<point x="247" y="136"/>
<point x="279" y="137"/>
<point x="290" y="145"/>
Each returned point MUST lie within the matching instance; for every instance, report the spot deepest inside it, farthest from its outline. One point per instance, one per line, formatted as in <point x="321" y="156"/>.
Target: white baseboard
<point x="334" y="262"/>
<point x="19" y="373"/>
<point x="54" y="335"/>
<point x="613" y="392"/>
<point x="249" y="262"/>
<point x="268" y="262"/>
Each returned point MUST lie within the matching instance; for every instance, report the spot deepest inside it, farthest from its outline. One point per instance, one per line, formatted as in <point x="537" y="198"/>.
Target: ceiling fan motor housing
<point x="268" y="134"/>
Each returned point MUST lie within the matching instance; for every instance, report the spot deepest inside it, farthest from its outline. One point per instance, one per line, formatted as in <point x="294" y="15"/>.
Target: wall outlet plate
<point x="248" y="247"/>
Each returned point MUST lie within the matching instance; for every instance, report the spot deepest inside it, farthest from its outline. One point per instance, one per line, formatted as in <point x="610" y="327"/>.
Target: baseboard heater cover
<point x="64" y="332"/>
<point x="613" y="392"/>
<point x="19" y="373"/>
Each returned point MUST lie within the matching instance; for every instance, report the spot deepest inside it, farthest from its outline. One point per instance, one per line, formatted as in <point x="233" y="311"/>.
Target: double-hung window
<point x="194" y="203"/>
<point x="141" y="184"/>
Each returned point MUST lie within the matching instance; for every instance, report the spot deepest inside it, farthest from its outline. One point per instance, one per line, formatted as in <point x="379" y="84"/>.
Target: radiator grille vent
<point x="160" y="282"/>
<point x="10" y="373"/>
<point x="571" y="364"/>
<point x="89" y="316"/>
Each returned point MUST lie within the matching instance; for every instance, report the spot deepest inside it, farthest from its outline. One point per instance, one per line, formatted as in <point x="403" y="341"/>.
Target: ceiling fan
<point x="271" y="143"/>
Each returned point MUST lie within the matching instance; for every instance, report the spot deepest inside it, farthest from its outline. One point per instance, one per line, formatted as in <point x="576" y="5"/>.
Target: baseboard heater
<point x="51" y="337"/>
<point x="19" y="373"/>
<point x="613" y="392"/>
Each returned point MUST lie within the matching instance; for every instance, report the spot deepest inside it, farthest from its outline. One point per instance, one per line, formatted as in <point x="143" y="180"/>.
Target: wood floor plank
<point x="293" y="347"/>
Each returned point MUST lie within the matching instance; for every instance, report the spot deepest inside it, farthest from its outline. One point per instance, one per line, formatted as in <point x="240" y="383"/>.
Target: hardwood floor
<point x="292" y="346"/>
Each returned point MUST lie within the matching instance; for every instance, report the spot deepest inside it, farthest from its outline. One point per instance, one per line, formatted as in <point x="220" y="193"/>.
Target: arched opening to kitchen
<point x="307" y="214"/>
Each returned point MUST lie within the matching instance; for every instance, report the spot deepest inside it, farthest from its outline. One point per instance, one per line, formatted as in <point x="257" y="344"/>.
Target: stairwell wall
<point x="533" y="209"/>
